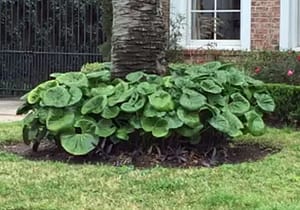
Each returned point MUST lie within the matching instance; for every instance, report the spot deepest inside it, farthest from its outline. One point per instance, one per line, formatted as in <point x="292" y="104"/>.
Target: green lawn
<point x="272" y="183"/>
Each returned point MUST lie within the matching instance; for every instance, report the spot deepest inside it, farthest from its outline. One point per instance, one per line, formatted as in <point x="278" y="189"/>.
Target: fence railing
<point x="38" y="37"/>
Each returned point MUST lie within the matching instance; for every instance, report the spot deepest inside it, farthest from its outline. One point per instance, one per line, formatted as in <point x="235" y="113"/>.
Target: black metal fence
<point x="38" y="37"/>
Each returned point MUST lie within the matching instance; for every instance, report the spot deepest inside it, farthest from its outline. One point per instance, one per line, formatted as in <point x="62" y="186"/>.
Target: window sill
<point x="228" y="48"/>
<point x="297" y="49"/>
<point x="228" y="45"/>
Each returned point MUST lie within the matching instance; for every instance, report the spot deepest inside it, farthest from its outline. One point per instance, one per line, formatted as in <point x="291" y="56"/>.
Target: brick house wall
<point x="265" y="23"/>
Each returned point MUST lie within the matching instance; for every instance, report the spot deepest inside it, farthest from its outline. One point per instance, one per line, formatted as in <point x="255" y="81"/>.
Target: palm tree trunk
<point x="139" y="37"/>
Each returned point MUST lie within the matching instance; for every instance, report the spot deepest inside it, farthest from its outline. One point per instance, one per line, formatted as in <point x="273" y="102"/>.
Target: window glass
<point x="203" y="4"/>
<point x="223" y="22"/>
<point x="203" y="26"/>
<point x="228" y="4"/>
<point x="229" y="26"/>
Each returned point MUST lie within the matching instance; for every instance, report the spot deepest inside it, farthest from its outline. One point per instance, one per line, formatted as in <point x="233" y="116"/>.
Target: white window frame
<point x="289" y="25"/>
<point x="183" y="8"/>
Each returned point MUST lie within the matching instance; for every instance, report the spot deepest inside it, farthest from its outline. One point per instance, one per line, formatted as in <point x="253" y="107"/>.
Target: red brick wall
<point x="265" y="24"/>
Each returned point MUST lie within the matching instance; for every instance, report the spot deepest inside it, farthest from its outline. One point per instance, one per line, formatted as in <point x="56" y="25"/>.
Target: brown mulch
<point x="183" y="157"/>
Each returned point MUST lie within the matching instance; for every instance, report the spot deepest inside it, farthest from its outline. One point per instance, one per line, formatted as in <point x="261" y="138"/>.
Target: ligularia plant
<point x="80" y="109"/>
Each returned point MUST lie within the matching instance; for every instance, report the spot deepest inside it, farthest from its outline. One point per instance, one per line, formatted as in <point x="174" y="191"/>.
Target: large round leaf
<point x="120" y="97"/>
<point x="236" y="78"/>
<point x="146" y="88"/>
<point x="235" y="125"/>
<point x="254" y="82"/>
<point x="221" y="77"/>
<point x="158" y="126"/>
<point x="86" y="125"/>
<point x="162" y="101"/>
<point x="79" y="144"/>
<point x="192" y="100"/>
<point x="220" y="123"/>
<point x="48" y="84"/>
<point x="76" y="95"/>
<point x="135" y="76"/>
<point x="94" y="105"/>
<point x="57" y="97"/>
<point x="95" y="67"/>
<point x="135" y="103"/>
<point x="210" y="86"/>
<point x="103" y="75"/>
<point x="123" y="132"/>
<point x="184" y="82"/>
<point x="226" y="66"/>
<point x="160" y="129"/>
<point x="173" y="120"/>
<point x="30" y="133"/>
<point x="191" y="119"/>
<point x="110" y="112"/>
<point x="154" y="79"/>
<point x="149" y="111"/>
<point x="106" y="90"/>
<point x="148" y="123"/>
<point x="239" y="104"/>
<point x="106" y="128"/>
<point x="35" y="95"/>
<point x="213" y="65"/>
<point x="55" y="74"/>
<point x="255" y="123"/>
<point x="197" y="71"/>
<point x="265" y="102"/>
<point x="189" y="132"/>
<point x="168" y="81"/>
<point x="213" y="110"/>
<point x="121" y="94"/>
<point x="60" y="120"/>
<point x="77" y="79"/>
<point x="43" y="114"/>
<point x="214" y="99"/>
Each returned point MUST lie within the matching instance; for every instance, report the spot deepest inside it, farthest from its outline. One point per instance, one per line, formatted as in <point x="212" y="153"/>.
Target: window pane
<point x="203" y="4"/>
<point x="228" y="4"/>
<point x="229" y="25"/>
<point x="202" y="26"/>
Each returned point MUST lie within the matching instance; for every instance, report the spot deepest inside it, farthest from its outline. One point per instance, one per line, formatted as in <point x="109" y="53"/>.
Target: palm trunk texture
<point x="139" y="37"/>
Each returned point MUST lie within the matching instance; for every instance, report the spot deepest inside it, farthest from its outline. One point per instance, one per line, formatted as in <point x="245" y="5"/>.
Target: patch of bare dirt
<point x="179" y="156"/>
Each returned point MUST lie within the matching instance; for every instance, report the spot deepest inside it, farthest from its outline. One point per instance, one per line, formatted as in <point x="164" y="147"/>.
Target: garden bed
<point x="180" y="156"/>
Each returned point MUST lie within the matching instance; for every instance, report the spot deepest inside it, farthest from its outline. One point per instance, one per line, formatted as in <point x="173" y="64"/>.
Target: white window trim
<point x="181" y="7"/>
<point x="289" y="9"/>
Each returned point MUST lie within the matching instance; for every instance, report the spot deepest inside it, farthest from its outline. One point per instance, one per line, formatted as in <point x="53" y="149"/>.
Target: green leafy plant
<point x="79" y="110"/>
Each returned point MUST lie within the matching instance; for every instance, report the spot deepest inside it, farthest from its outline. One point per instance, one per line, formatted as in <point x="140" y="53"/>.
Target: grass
<point x="272" y="183"/>
<point x="10" y="132"/>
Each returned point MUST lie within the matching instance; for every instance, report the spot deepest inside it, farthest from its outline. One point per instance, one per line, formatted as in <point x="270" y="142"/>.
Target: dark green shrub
<point x="287" y="99"/>
<point x="80" y="109"/>
<point x="272" y="66"/>
<point x="267" y="66"/>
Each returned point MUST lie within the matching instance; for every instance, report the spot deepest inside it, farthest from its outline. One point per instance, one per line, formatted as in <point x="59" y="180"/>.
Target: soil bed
<point x="183" y="157"/>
